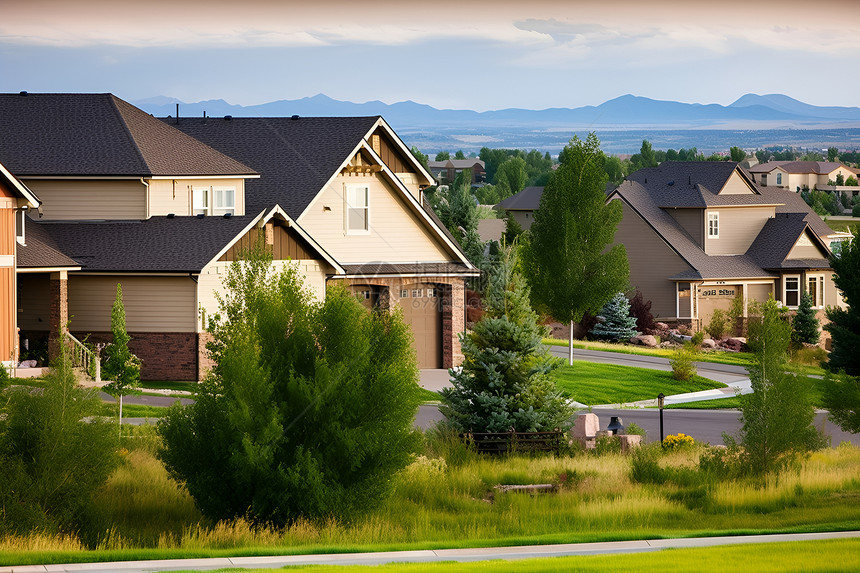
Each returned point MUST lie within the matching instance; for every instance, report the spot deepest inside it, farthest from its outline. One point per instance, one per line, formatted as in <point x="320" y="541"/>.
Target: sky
<point x="530" y="54"/>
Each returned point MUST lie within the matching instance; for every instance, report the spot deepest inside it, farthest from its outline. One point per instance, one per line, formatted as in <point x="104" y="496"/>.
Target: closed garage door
<point x="422" y="312"/>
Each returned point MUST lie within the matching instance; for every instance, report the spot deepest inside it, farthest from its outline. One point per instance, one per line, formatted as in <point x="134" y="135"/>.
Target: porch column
<point x="59" y="312"/>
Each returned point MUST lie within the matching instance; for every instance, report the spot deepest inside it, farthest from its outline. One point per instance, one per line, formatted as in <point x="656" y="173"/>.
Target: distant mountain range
<point x="751" y="111"/>
<point x="621" y="123"/>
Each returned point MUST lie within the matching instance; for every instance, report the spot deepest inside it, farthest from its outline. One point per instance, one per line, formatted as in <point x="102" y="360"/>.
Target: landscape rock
<point x="586" y="426"/>
<point x="644" y="340"/>
<point x="709" y="343"/>
<point x="630" y="441"/>
<point x="736" y="344"/>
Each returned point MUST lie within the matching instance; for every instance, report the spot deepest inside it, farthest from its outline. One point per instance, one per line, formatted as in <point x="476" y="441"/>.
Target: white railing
<point x="83" y="357"/>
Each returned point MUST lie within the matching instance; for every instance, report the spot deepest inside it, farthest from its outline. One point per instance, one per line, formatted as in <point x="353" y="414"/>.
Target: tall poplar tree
<point x="567" y="259"/>
<point x="121" y="367"/>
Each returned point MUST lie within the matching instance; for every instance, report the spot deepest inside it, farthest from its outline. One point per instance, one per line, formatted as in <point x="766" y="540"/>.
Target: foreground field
<point x="446" y="499"/>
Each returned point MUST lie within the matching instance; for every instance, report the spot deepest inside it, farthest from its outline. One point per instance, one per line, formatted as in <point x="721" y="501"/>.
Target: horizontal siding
<point x="8" y="334"/>
<point x="174" y="195"/>
<point x="152" y="304"/>
<point x="739" y="226"/>
<point x="651" y="261"/>
<point x="76" y="200"/>
<point x="396" y="235"/>
<point x="809" y="251"/>
<point x="692" y="220"/>
<point x="212" y="277"/>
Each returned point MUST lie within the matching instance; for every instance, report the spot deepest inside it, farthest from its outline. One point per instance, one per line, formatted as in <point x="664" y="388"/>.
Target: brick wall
<point x="165" y="355"/>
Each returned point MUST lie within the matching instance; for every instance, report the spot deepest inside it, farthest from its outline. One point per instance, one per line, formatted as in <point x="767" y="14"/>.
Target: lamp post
<point x="660" y="397"/>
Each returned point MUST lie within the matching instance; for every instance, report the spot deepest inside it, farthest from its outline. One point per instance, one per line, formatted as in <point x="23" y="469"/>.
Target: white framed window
<point x="431" y="292"/>
<point x="199" y="200"/>
<point x="357" y="209"/>
<point x="714" y="225"/>
<point x="404" y="293"/>
<point x="224" y="200"/>
<point x="417" y="293"/>
<point x="815" y="288"/>
<point x="791" y="290"/>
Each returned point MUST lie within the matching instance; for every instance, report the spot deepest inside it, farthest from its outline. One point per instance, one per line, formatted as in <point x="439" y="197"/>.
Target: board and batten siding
<point x="692" y="220"/>
<point x="651" y="262"/>
<point x="174" y="195"/>
<point x="739" y="226"/>
<point x="90" y="199"/>
<point x="396" y="234"/>
<point x="211" y="281"/>
<point x="152" y="304"/>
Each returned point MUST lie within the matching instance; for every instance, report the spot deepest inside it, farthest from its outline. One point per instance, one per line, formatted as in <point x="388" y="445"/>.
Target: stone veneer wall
<point x="453" y="306"/>
<point x="165" y="355"/>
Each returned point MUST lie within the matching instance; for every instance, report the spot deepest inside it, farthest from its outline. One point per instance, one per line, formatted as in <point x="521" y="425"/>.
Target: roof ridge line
<point x="128" y="133"/>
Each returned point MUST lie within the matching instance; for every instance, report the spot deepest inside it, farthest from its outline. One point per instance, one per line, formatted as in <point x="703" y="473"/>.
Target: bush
<point x="855" y="210"/>
<point x="608" y="444"/>
<point x="645" y="465"/>
<point x="308" y="411"/>
<point x="682" y="362"/>
<point x="634" y="429"/>
<point x="641" y="311"/>
<point x="678" y="441"/>
<point x="719" y="324"/>
<point x="55" y="454"/>
<point x="697" y="339"/>
<point x="617" y="323"/>
<point x="804" y="327"/>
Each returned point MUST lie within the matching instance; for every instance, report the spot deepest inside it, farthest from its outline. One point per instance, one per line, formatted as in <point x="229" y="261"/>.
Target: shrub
<point x="718" y="325"/>
<point x="608" y="444"/>
<point x="855" y="210"/>
<point x="682" y="362"/>
<point x="641" y="311"/>
<point x="697" y="339"/>
<point x="804" y="327"/>
<point x="55" y="454"/>
<point x="645" y="465"/>
<point x="678" y="441"/>
<point x="308" y="410"/>
<point x="634" y="429"/>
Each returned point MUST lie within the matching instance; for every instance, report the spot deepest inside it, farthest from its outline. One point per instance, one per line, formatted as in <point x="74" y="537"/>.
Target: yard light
<point x="660" y="397"/>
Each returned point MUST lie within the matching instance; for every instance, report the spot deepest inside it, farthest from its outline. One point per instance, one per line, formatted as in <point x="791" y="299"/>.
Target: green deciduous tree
<point x="567" y="259"/>
<point x="777" y="417"/>
<point x="460" y="154"/>
<point x="804" y="327"/>
<point x="56" y="451"/>
<point x="617" y="323"/>
<point x="505" y="382"/>
<point x="421" y="157"/>
<point x="844" y="325"/>
<point x="511" y="176"/>
<point x="443" y="156"/>
<point x="841" y="397"/>
<point x="121" y="367"/>
<point x="832" y="153"/>
<point x="309" y="409"/>
<point x="737" y="154"/>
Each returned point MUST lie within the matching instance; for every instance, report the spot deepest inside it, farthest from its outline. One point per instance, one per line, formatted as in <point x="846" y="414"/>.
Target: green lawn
<point x="852" y="226"/>
<point x="133" y="410"/>
<point x="835" y="555"/>
<point x="168" y="385"/>
<point x="736" y="358"/>
<point x="591" y="383"/>
<point x="816" y="395"/>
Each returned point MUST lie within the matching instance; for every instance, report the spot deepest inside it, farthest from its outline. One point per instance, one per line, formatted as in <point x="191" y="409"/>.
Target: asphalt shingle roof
<point x="99" y="135"/>
<point x="295" y="157"/>
<point x="40" y="250"/>
<point x="159" y="244"/>
<point x="818" y="167"/>
<point x="526" y="200"/>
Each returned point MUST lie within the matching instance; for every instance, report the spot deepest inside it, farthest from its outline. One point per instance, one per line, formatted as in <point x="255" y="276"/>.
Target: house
<point x="799" y="175"/>
<point x="444" y="172"/>
<point x="522" y="206"/>
<point x="698" y="234"/>
<point x="15" y="200"/>
<point x="131" y="199"/>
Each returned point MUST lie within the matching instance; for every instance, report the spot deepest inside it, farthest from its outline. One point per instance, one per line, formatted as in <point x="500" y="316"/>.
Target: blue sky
<point x="461" y="55"/>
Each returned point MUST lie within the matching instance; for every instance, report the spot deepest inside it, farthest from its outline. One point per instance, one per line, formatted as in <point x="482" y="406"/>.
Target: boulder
<point x="709" y="343"/>
<point x="586" y="426"/>
<point x="644" y="340"/>
<point x="662" y="326"/>
<point x="629" y="441"/>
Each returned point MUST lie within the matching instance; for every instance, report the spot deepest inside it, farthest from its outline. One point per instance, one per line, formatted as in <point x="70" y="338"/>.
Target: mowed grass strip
<point x="812" y="556"/>
<point x="133" y="410"/>
<point x="591" y="383"/>
<point x="736" y="358"/>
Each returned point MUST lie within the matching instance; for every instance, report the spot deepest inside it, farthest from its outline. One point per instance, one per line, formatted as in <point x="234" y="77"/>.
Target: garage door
<point x="422" y="312"/>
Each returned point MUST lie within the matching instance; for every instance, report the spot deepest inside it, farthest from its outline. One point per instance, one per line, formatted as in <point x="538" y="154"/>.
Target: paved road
<point x="429" y="555"/>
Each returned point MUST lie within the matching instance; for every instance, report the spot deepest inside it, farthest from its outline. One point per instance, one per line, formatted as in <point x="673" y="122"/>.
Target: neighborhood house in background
<point x="129" y="198"/>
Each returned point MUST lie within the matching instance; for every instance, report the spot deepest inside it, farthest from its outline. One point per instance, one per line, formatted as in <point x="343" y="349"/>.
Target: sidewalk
<point x="431" y="555"/>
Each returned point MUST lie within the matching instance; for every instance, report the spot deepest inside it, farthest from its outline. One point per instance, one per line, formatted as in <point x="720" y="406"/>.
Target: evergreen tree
<point x="778" y="415"/>
<point x="121" y="367"/>
<point x="505" y="379"/>
<point x="844" y="326"/>
<point x="567" y="259"/>
<point x="804" y="328"/>
<point x="617" y="323"/>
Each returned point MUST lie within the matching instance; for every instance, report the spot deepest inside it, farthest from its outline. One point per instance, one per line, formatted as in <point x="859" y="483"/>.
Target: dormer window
<point x="200" y="201"/>
<point x="714" y="225"/>
<point x="778" y="178"/>
<point x="224" y="200"/>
